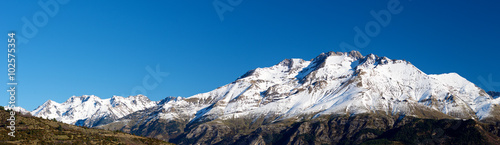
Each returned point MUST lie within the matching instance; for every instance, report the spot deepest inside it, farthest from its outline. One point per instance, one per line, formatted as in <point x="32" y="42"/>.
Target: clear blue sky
<point x="102" y="47"/>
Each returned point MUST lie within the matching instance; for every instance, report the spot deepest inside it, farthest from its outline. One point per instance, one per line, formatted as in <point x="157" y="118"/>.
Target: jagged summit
<point x="337" y="82"/>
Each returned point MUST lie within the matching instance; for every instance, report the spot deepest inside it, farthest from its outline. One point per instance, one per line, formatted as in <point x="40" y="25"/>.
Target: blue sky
<point x="103" y="48"/>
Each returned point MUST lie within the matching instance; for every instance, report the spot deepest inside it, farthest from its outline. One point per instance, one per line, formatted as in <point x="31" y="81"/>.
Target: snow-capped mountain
<point x="336" y="83"/>
<point x="18" y="109"/>
<point x="90" y="110"/>
<point x="331" y="83"/>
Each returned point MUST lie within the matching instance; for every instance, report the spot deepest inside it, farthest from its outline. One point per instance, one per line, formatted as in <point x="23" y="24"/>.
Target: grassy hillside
<point x="33" y="130"/>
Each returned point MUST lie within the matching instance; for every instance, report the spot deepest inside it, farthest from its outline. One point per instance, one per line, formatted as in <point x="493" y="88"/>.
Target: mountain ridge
<point x="90" y="110"/>
<point x="333" y="82"/>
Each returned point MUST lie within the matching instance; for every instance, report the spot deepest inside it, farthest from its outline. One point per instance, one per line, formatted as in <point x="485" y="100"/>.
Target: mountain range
<point x="331" y="84"/>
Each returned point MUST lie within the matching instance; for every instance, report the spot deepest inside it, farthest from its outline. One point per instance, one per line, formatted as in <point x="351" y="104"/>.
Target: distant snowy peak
<point x="82" y="108"/>
<point x="18" y="109"/>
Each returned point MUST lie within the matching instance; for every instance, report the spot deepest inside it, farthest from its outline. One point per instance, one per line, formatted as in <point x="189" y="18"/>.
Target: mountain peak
<point x="291" y="63"/>
<point x="18" y="109"/>
<point x="140" y="96"/>
<point x="83" y="98"/>
<point x="49" y="103"/>
<point x="355" y="54"/>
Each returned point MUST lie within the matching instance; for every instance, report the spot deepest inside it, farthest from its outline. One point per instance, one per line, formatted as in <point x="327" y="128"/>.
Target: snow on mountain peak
<point x="50" y="102"/>
<point x="331" y="83"/>
<point x="80" y="108"/>
<point x="337" y="82"/>
<point x="18" y="109"/>
<point x="452" y="79"/>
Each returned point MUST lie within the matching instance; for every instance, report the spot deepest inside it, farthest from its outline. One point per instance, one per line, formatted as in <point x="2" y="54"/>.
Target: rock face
<point x="334" y="83"/>
<point x="356" y="129"/>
